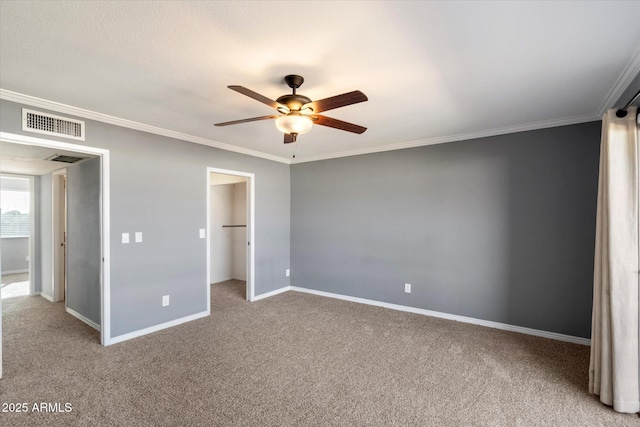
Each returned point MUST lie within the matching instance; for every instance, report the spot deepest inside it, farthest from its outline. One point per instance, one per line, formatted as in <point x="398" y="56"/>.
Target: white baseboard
<point x="145" y="331"/>
<point x="272" y="293"/>
<point x="464" y="319"/>
<point x="4" y="273"/>
<point x="47" y="297"/>
<point x="80" y="317"/>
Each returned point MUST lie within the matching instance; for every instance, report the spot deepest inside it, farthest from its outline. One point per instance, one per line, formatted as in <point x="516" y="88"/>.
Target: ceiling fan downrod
<point x="294" y="81"/>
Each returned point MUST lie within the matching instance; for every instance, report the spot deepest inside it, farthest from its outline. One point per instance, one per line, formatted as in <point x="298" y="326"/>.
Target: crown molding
<point x="626" y="77"/>
<point x="92" y="115"/>
<point x="454" y="138"/>
<point x="33" y="101"/>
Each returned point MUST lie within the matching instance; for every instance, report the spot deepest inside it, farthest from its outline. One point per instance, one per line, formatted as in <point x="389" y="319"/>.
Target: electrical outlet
<point x="125" y="238"/>
<point x="165" y="300"/>
<point x="287" y="272"/>
<point x="407" y="288"/>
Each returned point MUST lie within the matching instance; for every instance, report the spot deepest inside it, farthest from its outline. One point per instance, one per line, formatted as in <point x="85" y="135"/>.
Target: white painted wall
<point x="221" y="238"/>
<point x="16" y="254"/>
<point x="228" y="245"/>
<point x="222" y="178"/>
<point x="239" y="235"/>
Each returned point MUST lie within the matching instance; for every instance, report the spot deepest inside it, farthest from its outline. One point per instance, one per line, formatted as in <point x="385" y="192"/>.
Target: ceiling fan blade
<point x="336" y="101"/>
<point x="253" y="119"/>
<point x="258" y="97"/>
<point x="288" y="139"/>
<point x="337" y="124"/>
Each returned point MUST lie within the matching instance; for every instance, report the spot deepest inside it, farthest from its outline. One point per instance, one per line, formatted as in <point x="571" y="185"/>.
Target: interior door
<point x="59" y="235"/>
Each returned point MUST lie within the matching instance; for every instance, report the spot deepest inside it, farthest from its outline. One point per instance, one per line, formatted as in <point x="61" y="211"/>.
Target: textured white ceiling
<point x="31" y="160"/>
<point x="432" y="70"/>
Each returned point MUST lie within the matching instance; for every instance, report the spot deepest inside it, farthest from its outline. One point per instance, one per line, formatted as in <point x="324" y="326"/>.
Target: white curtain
<point x="614" y="371"/>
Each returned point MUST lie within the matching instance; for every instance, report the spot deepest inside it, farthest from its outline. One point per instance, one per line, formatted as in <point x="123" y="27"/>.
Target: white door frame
<point x="58" y="284"/>
<point x="105" y="219"/>
<point x="251" y="182"/>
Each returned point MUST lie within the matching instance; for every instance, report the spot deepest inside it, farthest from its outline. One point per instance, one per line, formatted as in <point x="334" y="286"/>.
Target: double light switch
<point x="137" y="237"/>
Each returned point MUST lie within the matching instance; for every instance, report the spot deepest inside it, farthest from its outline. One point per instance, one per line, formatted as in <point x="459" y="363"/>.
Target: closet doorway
<point x="230" y="218"/>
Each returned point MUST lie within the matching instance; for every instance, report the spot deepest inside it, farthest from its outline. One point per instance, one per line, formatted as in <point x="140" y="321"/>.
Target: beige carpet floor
<point x="293" y="360"/>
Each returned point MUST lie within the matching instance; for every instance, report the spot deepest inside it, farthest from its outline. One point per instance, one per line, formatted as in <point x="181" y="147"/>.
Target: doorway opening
<point x="230" y="224"/>
<point x="17" y="234"/>
<point x="23" y="154"/>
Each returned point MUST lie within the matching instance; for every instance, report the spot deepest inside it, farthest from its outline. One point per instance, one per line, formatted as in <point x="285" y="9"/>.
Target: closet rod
<point x="234" y="225"/>
<point x="623" y="111"/>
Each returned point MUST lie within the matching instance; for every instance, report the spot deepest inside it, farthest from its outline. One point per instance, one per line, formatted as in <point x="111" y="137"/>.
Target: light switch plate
<point x="202" y="233"/>
<point x="125" y="238"/>
<point x="138" y="236"/>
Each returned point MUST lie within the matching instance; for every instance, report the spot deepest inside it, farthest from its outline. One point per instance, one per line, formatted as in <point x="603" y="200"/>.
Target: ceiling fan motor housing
<point x="293" y="101"/>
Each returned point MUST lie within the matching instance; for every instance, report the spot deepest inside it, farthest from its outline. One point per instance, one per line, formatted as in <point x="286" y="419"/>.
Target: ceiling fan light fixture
<point x="298" y="113"/>
<point x="294" y="123"/>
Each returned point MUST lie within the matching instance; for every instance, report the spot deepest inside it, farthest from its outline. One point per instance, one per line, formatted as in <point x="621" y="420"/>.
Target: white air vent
<point x="49" y="124"/>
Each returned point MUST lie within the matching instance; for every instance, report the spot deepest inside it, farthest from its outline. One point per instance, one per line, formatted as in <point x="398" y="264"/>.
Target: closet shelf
<point x="234" y="226"/>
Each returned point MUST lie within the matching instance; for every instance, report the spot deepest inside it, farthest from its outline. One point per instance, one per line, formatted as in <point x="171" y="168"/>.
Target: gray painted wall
<point x="499" y="228"/>
<point x="15" y="250"/>
<point x="45" y="234"/>
<point x="83" y="239"/>
<point x="158" y="187"/>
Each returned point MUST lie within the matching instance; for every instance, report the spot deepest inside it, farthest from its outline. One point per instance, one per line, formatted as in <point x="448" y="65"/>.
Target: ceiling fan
<point x="299" y="113"/>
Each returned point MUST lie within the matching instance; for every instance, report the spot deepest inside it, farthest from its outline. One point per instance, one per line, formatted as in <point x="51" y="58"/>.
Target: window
<point x="14" y="207"/>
